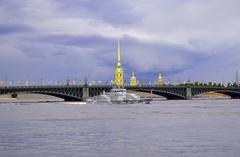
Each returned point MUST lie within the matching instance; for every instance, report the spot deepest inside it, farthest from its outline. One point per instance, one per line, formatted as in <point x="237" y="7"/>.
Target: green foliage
<point x="208" y="84"/>
<point x="14" y="95"/>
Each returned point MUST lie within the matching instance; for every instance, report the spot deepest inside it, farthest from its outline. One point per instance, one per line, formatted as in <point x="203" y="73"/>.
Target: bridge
<point x="81" y="93"/>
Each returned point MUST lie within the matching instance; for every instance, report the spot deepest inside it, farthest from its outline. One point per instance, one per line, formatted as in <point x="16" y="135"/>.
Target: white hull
<point x="119" y="96"/>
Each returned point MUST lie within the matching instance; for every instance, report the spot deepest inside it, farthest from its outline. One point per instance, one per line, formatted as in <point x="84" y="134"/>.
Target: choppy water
<point x="167" y="128"/>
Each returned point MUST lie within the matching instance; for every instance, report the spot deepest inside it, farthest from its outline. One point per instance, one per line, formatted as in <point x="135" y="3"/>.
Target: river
<point x="193" y="128"/>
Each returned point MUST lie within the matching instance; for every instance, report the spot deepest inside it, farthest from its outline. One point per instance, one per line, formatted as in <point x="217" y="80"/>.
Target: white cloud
<point x="158" y="35"/>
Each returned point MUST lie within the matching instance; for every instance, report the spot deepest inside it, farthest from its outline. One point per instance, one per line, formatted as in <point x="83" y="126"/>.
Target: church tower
<point x="133" y="80"/>
<point x="119" y="82"/>
<point x="160" y="80"/>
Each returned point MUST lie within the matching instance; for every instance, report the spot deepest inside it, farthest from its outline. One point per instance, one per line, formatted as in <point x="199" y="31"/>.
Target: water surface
<point x="194" y="128"/>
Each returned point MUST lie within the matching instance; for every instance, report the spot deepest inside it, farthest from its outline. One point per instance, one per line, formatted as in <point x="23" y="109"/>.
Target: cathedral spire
<point x="119" y="54"/>
<point x="119" y="82"/>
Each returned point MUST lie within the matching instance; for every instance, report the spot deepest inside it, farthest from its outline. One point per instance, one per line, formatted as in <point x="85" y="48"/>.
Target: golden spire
<point x="119" y="54"/>
<point x="119" y="82"/>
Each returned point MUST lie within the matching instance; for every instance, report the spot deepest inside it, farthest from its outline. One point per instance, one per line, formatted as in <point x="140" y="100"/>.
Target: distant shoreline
<point x="2" y="101"/>
<point x="29" y="98"/>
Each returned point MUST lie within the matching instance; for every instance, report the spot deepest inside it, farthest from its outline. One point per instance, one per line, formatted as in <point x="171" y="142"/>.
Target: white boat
<point x="118" y="96"/>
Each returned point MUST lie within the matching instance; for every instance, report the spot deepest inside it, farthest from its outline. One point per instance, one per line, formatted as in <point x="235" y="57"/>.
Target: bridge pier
<point x="188" y="93"/>
<point x="85" y="93"/>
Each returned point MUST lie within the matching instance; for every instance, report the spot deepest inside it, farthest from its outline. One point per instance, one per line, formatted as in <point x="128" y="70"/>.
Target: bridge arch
<point x="166" y="94"/>
<point x="58" y="95"/>
<point x="232" y="94"/>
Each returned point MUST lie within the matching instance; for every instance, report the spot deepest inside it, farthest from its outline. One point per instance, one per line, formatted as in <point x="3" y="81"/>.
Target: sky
<point x="196" y="40"/>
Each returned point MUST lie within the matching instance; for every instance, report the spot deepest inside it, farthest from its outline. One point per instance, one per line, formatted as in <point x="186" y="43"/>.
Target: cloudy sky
<point x="197" y="40"/>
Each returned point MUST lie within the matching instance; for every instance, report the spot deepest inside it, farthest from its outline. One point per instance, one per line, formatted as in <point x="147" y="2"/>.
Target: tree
<point x="14" y="95"/>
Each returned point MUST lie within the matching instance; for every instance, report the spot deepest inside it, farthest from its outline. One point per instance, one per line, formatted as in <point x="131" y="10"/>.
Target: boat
<point x="118" y="96"/>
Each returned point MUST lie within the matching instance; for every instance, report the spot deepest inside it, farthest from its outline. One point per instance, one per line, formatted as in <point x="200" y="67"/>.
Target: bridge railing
<point x="111" y="86"/>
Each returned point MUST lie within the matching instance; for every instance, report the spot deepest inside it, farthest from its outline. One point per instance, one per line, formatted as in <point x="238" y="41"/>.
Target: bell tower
<point x="119" y="82"/>
<point x="160" y="80"/>
<point x="133" y="80"/>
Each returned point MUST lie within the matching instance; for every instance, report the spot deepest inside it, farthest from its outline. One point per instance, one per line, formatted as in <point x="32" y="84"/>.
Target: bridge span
<point x="81" y="93"/>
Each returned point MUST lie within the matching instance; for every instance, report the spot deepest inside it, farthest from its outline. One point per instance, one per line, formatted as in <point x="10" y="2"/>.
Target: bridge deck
<point x="81" y="93"/>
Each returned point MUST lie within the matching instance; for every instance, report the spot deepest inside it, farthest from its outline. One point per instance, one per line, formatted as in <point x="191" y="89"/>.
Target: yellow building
<point x="133" y="80"/>
<point x="119" y="82"/>
<point x="160" y="80"/>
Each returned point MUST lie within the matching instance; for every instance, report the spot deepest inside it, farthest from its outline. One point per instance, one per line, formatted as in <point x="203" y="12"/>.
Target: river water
<point x="194" y="128"/>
